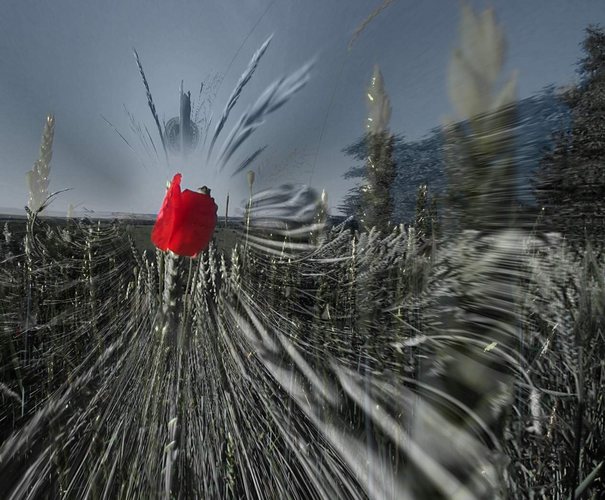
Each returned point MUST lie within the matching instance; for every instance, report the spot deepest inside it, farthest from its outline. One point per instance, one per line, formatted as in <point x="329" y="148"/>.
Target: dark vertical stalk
<point x="578" y="424"/>
<point x="151" y="104"/>
<point x="172" y="333"/>
<point x="227" y="211"/>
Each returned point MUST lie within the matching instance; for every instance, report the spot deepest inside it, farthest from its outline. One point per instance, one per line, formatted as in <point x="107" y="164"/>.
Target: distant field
<point x="225" y="238"/>
<point x="140" y="228"/>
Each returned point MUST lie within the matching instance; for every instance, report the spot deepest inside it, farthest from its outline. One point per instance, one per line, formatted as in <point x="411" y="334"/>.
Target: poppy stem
<point x="173" y="334"/>
<point x="170" y="296"/>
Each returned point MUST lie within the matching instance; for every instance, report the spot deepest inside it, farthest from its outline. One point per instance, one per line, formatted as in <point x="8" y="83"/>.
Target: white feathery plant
<point x="37" y="177"/>
<point x="476" y="67"/>
<point x="379" y="104"/>
<point x="480" y="163"/>
<point x="377" y="203"/>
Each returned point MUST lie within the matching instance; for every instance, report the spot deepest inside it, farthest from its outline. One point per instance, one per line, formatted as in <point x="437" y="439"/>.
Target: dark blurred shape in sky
<point x="74" y="59"/>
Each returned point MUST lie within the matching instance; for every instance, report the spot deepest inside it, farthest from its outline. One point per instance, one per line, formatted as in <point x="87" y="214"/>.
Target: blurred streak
<point x="282" y="220"/>
<point x="360" y="29"/>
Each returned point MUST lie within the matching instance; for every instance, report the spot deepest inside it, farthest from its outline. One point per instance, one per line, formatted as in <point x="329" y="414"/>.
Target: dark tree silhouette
<point x="570" y="182"/>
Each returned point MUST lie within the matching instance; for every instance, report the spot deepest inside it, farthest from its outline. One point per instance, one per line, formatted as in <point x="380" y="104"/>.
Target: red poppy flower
<point x="186" y="221"/>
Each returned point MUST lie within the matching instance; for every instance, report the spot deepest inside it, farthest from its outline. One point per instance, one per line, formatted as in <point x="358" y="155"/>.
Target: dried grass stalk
<point x="37" y="177"/>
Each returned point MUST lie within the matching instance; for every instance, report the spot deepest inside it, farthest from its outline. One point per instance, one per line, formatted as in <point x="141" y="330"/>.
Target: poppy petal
<point x="166" y="220"/>
<point x="195" y="222"/>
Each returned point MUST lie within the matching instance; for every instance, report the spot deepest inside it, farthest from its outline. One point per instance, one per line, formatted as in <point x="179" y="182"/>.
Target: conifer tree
<point x="570" y="182"/>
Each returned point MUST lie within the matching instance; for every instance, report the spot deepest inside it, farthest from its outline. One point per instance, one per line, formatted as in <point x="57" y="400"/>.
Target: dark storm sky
<point x="74" y="59"/>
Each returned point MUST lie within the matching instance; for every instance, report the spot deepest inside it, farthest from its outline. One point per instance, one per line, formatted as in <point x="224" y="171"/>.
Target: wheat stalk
<point x="379" y="104"/>
<point x="37" y="178"/>
<point x="237" y="91"/>
<point x="151" y="103"/>
<point x="273" y="98"/>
